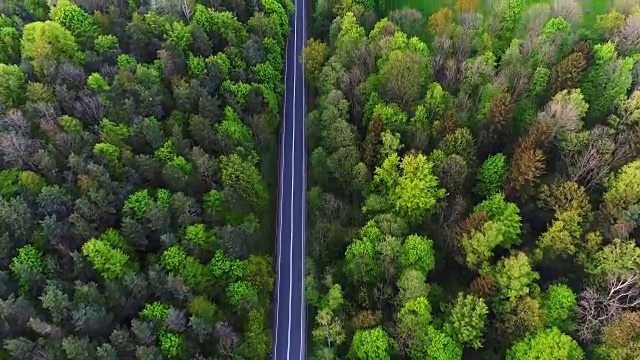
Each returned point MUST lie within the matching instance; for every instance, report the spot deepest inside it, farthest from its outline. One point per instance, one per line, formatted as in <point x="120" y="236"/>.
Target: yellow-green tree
<point x="44" y="42"/>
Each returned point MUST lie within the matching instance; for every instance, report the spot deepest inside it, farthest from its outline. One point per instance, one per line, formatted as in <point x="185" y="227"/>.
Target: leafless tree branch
<point x="598" y="308"/>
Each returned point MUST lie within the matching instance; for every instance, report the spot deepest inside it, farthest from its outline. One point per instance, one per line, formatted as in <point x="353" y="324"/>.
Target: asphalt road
<point x="289" y="339"/>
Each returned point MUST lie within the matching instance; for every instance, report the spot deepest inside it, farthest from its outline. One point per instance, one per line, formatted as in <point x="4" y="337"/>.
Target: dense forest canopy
<point x="138" y="152"/>
<point x="474" y="181"/>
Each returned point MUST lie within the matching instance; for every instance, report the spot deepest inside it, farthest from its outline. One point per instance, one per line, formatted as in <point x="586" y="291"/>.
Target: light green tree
<point x="505" y="213"/>
<point x="411" y="284"/>
<point x="49" y="41"/>
<point x="546" y="344"/>
<point x="243" y="176"/>
<point x="370" y="344"/>
<point x="466" y="320"/>
<point x="410" y="187"/>
<point x="329" y="326"/>
<point x="413" y="318"/>
<point x="351" y="34"/>
<point x="360" y="261"/>
<point x="12" y="86"/>
<point x="111" y="263"/>
<point x="620" y="257"/>
<point x="432" y="343"/>
<point x="514" y="278"/>
<point x="417" y="252"/>
<point x="558" y="304"/>
<point x="9" y="45"/>
<point x="80" y="23"/>
<point x="492" y="174"/>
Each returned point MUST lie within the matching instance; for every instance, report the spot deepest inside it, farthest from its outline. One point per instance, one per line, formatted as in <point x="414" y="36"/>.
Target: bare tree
<point x="18" y="150"/>
<point x="624" y="6"/>
<point x="14" y="120"/>
<point x="598" y="308"/>
<point x="188" y="7"/>
<point x="627" y="37"/>
<point x="227" y="339"/>
<point x="534" y="18"/>
<point x="570" y="10"/>
<point x="604" y="151"/>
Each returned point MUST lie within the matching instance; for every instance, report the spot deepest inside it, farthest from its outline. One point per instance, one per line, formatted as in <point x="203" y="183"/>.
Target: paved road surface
<point x="289" y="339"/>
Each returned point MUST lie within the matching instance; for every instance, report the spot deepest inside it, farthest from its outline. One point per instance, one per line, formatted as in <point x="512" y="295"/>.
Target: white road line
<point x="303" y="309"/>
<point x="293" y="168"/>
<point x="281" y="197"/>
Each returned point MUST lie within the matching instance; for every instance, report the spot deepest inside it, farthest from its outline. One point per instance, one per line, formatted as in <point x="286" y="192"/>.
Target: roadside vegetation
<point x="137" y="147"/>
<point x="474" y="181"/>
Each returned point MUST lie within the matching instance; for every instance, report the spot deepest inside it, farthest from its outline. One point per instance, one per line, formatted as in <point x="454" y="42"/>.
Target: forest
<point x="474" y="180"/>
<point x="138" y="157"/>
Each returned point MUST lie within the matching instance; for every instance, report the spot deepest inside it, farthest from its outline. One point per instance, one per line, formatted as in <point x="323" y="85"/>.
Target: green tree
<point x="403" y="78"/>
<point x="351" y="34"/>
<point x="179" y="35"/>
<point x="478" y="246"/>
<point x="48" y="41"/>
<point x="97" y="83"/>
<point x="199" y="235"/>
<point x="80" y="23"/>
<point x="328" y="329"/>
<point x="417" y="252"/>
<point x="201" y="306"/>
<point x="466" y="320"/>
<point x="138" y="203"/>
<point x="258" y="269"/>
<point x="232" y="128"/>
<point x="624" y="183"/>
<point x="435" y="344"/>
<point x="514" y="277"/>
<point x="500" y="226"/>
<point x="410" y="186"/>
<point x="242" y="295"/>
<point x="607" y="80"/>
<point x="106" y="43"/>
<point x="9" y="45"/>
<point x="226" y="268"/>
<point x="170" y="343"/>
<point x="9" y="179"/>
<point x="506" y="214"/>
<point x="413" y="318"/>
<point x="620" y="257"/>
<point x="29" y="260"/>
<point x="313" y="58"/>
<point x="360" y="261"/>
<point x="411" y="284"/>
<point x="12" y="86"/>
<point x="224" y="24"/>
<point x="243" y="176"/>
<point x="392" y="117"/>
<point x="492" y="174"/>
<point x="196" y="66"/>
<point x="508" y="17"/>
<point x="558" y="303"/>
<point x="157" y="311"/>
<point x="257" y="340"/>
<point x="111" y="263"/>
<point x="460" y="143"/>
<point x="562" y="238"/>
<point x="370" y="344"/>
<point x="546" y="344"/>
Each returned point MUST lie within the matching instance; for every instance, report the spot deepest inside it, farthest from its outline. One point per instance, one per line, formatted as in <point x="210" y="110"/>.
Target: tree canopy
<point x="473" y="177"/>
